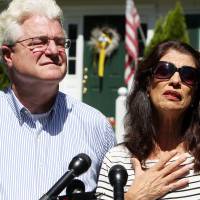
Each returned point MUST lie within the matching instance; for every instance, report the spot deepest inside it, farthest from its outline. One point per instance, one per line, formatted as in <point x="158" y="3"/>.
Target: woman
<point x="161" y="151"/>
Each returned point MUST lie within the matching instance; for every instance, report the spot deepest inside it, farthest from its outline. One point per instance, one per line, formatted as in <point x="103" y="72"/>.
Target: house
<point x="84" y="16"/>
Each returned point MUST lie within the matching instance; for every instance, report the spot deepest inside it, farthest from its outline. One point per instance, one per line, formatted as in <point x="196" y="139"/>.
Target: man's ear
<point x="6" y="55"/>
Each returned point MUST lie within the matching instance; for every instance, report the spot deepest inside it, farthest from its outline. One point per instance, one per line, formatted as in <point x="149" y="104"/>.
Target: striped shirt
<point x="35" y="151"/>
<point x="121" y="155"/>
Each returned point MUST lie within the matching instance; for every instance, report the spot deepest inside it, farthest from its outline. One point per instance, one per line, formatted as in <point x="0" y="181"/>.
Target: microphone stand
<point x="118" y="192"/>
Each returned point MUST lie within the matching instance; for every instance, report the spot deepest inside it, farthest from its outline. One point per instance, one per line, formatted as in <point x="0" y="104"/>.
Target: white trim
<point x="72" y="84"/>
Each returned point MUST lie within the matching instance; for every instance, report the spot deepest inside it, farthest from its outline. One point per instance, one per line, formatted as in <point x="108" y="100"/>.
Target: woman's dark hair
<point x="140" y="130"/>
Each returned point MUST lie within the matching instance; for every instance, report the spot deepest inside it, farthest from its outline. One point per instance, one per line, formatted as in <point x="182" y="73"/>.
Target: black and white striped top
<point x="121" y="155"/>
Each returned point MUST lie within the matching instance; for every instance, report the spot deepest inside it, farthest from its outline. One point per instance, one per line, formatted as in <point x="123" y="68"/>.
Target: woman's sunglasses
<point x="165" y="70"/>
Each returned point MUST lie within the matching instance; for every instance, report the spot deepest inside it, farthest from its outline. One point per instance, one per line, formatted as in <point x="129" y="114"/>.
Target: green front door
<point x="101" y="93"/>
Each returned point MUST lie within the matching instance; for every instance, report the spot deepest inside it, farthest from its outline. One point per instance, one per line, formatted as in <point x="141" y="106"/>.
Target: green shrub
<point x="170" y="27"/>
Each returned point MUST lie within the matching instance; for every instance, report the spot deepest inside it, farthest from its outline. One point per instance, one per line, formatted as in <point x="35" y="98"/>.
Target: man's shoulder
<point x="75" y="104"/>
<point x="93" y="121"/>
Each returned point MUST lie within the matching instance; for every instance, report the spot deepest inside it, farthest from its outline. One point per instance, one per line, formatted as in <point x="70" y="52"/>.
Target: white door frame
<point x="72" y="83"/>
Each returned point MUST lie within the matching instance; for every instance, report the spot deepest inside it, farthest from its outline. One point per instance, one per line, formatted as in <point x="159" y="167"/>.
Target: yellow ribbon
<point x="104" y="41"/>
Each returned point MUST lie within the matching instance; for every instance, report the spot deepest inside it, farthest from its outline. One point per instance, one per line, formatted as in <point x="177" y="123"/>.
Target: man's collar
<point x="20" y="110"/>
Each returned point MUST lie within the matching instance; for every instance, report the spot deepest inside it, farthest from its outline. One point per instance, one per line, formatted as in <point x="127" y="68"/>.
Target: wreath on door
<point x="103" y="42"/>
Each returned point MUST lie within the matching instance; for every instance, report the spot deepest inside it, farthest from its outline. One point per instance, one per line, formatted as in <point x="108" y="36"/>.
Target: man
<point x="42" y="129"/>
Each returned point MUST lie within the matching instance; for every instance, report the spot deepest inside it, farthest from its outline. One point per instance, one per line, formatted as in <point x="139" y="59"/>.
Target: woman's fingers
<point x="169" y="168"/>
<point x="177" y="185"/>
<point x="164" y="159"/>
<point x="177" y="174"/>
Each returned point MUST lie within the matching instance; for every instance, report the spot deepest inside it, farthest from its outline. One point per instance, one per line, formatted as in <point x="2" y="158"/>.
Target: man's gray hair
<point x="19" y="10"/>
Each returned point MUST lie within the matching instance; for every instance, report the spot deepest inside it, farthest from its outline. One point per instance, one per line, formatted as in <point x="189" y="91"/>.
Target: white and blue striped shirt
<point x="34" y="154"/>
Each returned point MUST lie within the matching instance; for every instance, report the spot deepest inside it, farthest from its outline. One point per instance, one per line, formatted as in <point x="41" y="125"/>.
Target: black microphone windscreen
<point x="76" y="186"/>
<point x="80" y="164"/>
<point x="118" y="175"/>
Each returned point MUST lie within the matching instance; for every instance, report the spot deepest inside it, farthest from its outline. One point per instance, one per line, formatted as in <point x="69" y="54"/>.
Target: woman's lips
<point x="172" y="95"/>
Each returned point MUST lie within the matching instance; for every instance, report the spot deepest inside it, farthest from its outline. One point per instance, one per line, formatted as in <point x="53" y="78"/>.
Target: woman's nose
<point x="175" y="79"/>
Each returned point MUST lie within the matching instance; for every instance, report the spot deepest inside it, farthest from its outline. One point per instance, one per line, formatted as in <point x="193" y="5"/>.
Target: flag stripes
<point x="131" y="41"/>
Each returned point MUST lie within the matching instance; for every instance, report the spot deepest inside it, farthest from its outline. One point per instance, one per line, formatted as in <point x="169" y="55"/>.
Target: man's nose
<point x="51" y="48"/>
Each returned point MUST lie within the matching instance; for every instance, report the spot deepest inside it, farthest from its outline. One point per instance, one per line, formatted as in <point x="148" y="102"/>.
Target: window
<point x="72" y="34"/>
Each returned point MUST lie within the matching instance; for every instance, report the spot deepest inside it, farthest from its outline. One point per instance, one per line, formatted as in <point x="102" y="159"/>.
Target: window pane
<point x="72" y="33"/>
<point x="72" y="67"/>
<point x="72" y="50"/>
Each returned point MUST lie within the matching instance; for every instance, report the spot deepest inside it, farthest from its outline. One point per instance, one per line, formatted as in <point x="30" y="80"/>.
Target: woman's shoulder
<point x="119" y="154"/>
<point x="119" y="148"/>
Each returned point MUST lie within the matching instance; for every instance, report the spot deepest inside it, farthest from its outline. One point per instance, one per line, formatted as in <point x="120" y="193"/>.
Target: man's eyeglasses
<point x="165" y="70"/>
<point x="41" y="43"/>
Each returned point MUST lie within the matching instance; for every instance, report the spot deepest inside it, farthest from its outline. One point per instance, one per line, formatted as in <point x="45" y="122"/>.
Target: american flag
<point x="131" y="41"/>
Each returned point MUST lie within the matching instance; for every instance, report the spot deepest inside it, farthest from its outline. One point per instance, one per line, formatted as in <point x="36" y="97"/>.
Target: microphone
<point x="78" y="165"/>
<point x="75" y="187"/>
<point x="118" y="177"/>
